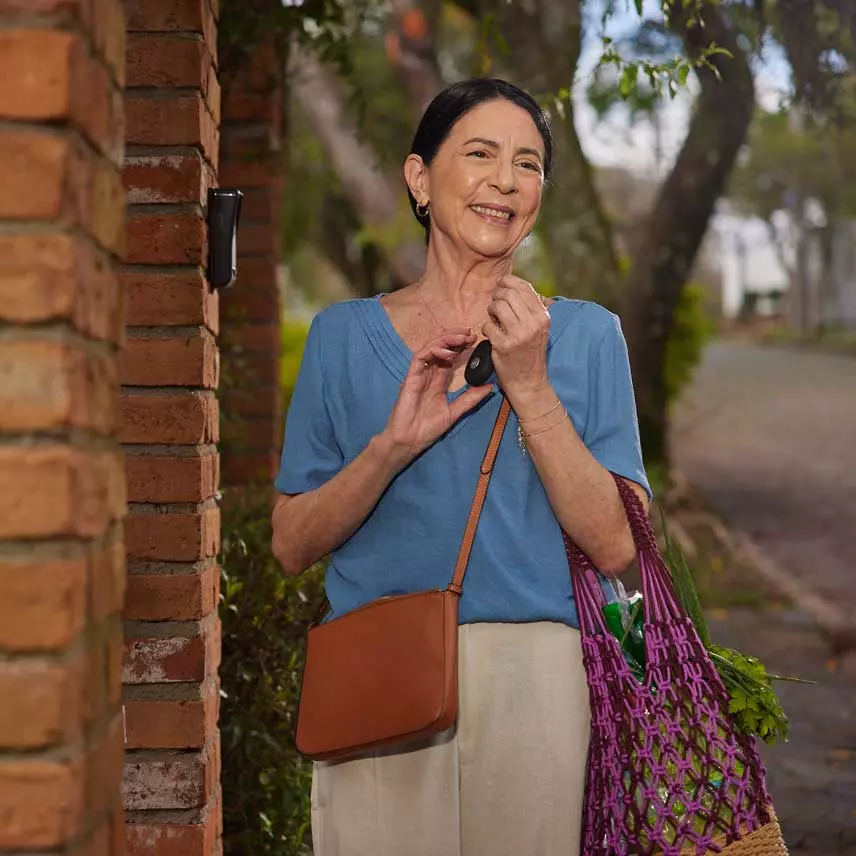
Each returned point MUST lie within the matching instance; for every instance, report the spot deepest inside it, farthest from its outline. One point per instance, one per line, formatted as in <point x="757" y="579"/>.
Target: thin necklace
<point x="431" y="311"/>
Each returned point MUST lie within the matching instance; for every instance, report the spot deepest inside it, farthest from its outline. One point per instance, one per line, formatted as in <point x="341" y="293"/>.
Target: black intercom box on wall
<point x="224" y="211"/>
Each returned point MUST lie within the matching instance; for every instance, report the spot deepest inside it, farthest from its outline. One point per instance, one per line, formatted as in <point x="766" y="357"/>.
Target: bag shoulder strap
<point x="488" y="461"/>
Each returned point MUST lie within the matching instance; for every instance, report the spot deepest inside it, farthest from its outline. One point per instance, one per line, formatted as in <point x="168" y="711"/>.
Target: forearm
<point x="308" y="526"/>
<point x="581" y="492"/>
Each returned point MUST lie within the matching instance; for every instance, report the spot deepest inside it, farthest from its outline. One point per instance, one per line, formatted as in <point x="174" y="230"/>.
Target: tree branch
<point x="380" y="202"/>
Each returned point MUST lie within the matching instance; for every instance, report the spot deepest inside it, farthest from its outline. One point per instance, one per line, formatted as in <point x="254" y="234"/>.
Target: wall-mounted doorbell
<point x="224" y="211"/>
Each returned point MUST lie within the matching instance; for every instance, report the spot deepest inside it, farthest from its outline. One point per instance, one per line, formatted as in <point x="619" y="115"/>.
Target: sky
<point x="617" y="142"/>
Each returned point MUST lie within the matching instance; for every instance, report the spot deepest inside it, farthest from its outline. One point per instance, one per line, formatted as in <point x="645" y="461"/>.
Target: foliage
<point x="753" y="703"/>
<point x="691" y="330"/>
<point x="264" y="614"/>
<point x="790" y="159"/>
<point x="293" y="334"/>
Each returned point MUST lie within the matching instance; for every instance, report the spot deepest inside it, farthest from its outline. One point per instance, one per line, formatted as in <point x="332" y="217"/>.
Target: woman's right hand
<point x="423" y="413"/>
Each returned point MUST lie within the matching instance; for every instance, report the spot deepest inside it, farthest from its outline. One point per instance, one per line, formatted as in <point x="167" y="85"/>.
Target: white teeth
<point x="492" y="212"/>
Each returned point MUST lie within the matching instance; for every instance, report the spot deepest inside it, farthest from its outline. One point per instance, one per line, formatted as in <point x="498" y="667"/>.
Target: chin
<point x="491" y="248"/>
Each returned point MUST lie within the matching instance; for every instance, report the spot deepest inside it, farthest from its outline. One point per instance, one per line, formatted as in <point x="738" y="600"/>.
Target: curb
<point x="828" y="618"/>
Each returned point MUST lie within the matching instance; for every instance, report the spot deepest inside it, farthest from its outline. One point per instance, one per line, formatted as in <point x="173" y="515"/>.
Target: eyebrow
<point x="493" y="144"/>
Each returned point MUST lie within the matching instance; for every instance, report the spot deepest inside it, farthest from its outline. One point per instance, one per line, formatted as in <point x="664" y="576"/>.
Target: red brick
<point x="43" y="606"/>
<point x="173" y="724"/>
<point x="263" y="337"/>
<point x="166" y="238"/>
<point x="95" y="688"/>
<point x="158" y="299"/>
<point x="256" y="402"/>
<point x="250" y="106"/>
<point x="165" y="61"/>
<point x="257" y="240"/>
<point x="244" y="468"/>
<point x="50" y="384"/>
<point x="178" y="537"/>
<point x="171" y="839"/>
<point x="176" y="781"/>
<point x="106" y="569"/>
<point x="249" y="302"/>
<point x="157" y="478"/>
<point x="96" y="104"/>
<point x="44" y="177"/>
<point x="108" y="205"/>
<point x="188" y="418"/>
<point x="50" y="277"/>
<point x="40" y="63"/>
<point x="172" y="659"/>
<point x="64" y="12"/>
<point x="260" y="205"/>
<point x="173" y="597"/>
<point x="171" y="15"/>
<point x="108" y="31"/>
<point x="178" y="361"/>
<point x="259" y="172"/>
<point x="245" y="434"/>
<point x="181" y="120"/>
<point x="41" y="703"/>
<point x="114" y="647"/>
<point x="41" y="803"/>
<point x="57" y="491"/>
<point x="104" y="768"/>
<point x="158" y="179"/>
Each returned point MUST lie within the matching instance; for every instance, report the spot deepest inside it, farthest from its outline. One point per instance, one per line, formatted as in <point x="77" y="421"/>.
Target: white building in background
<point x="749" y="262"/>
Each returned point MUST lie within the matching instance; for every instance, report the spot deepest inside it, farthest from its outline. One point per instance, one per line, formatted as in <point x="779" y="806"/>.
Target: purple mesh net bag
<point x="668" y="773"/>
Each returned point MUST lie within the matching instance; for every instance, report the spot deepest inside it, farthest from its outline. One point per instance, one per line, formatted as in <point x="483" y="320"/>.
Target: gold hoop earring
<point x="422" y="209"/>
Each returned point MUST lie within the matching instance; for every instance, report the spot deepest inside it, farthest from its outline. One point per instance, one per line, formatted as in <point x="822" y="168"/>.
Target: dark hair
<point x="453" y="102"/>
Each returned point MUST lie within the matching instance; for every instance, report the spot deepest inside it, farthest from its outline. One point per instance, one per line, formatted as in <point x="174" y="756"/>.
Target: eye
<point x="478" y="153"/>
<point x="531" y="166"/>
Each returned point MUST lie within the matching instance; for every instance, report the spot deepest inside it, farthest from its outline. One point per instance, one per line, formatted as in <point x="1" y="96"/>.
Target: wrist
<point x="532" y="403"/>
<point x="389" y="454"/>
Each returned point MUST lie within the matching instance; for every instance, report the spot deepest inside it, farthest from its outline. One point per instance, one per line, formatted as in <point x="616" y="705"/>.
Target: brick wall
<point x="169" y="372"/>
<point x="250" y="159"/>
<point x="62" y="563"/>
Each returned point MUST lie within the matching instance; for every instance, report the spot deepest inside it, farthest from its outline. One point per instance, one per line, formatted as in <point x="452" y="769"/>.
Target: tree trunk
<point x="545" y="39"/>
<point x="677" y="224"/>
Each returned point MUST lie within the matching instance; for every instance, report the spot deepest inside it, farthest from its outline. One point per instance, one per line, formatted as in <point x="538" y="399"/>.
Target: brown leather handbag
<point x="387" y="672"/>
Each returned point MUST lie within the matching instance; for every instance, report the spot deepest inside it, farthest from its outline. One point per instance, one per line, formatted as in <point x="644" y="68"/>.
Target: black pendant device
<point x="480" y="365"/>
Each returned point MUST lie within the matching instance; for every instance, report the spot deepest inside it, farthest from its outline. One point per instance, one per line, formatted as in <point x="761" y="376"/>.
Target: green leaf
<point x="627" y="81"/>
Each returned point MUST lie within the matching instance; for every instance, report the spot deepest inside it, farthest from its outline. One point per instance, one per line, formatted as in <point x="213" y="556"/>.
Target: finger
<point x="468" y="400"/>
<point x="492" y="331"/>
<point x="502" y="315"/>
<point x="520" y="295"/>
<point x="445" y="356"/>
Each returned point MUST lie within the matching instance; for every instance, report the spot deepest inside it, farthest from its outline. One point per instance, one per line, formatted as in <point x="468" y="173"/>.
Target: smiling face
<point x="486" y="180"/>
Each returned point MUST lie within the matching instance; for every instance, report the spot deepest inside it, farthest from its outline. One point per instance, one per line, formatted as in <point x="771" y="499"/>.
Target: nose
<point x="504" y="178"/>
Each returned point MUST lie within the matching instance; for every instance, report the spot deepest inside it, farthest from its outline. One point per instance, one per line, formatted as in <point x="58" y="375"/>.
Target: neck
<point x="460" y="281"/>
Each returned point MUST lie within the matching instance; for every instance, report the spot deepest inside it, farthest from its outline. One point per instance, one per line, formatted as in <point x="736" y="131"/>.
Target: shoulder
<point x="581" y="326"/>
<point x="340" y="315"/>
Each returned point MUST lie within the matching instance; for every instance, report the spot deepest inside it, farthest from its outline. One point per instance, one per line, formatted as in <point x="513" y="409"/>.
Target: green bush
<point x="265" y="615"/>
<point x="692" y="328"/>
<point x="293" y="338"/>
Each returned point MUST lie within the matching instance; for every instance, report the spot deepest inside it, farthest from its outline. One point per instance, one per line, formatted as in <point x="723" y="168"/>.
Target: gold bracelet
<point x="556" y="406"/>
<point x="548" y="428"/>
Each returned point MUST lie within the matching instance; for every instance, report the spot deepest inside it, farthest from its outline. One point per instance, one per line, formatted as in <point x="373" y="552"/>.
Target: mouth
<point x="494" y="213"/>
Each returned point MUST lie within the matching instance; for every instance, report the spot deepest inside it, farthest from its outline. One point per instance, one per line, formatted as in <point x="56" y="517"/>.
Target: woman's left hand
<point x="518" y="327"/>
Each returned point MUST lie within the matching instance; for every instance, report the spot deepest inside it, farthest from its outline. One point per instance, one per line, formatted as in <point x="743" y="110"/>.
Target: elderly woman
<point x="381" y="457"/>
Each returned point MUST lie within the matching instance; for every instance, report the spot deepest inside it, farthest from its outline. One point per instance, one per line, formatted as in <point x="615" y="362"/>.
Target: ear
<point x="416" y="176"/>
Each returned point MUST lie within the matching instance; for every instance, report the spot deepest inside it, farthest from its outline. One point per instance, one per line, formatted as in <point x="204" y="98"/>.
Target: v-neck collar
<point x="394" y="352"/>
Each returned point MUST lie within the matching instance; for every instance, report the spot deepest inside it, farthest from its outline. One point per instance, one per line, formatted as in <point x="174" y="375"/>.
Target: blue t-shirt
<point x="353" y="365"/>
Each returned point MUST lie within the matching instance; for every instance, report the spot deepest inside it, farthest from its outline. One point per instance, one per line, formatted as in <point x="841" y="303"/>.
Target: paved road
<point x="769" y="436"/>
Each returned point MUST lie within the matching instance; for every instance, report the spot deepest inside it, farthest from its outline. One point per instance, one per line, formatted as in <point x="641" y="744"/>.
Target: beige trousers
<point x="508" y="780"/>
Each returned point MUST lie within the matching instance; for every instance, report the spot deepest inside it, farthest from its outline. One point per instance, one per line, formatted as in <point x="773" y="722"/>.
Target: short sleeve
<point x="310" y="454"/>
<point x="612" y="426"/>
